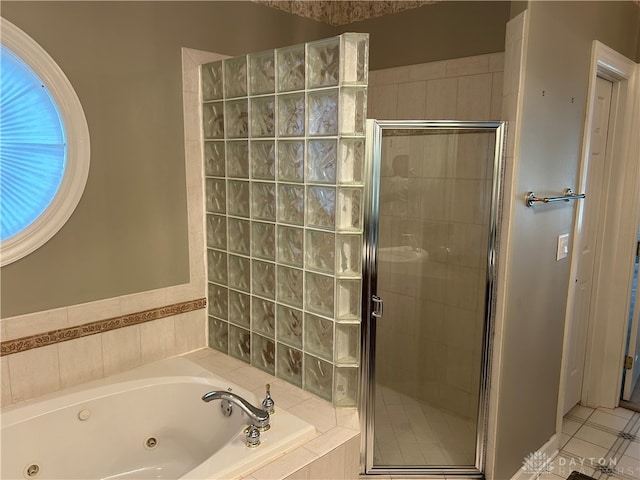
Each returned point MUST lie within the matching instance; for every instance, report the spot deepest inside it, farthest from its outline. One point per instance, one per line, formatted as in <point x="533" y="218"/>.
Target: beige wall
<point x="557" y="62"/>
<point x="129" y="232"/>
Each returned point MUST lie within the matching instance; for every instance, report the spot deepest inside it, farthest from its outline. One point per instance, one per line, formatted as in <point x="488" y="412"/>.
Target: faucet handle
<point x="268" y="403"/>
<point x="252" y="436"/>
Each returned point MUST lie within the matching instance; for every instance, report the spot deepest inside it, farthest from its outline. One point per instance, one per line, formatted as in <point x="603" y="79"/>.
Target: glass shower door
<point x="431" y="226"/>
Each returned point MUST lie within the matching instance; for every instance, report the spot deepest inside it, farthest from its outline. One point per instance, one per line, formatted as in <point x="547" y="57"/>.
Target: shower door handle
<point x="377" y="310"/>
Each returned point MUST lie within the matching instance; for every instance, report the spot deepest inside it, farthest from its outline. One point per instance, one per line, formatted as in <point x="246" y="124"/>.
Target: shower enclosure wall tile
<point x="262" y="73"/>
<point x="263" y="240"/>
<point x="263" y="159"/>
<point x="237" y="159"/>
<point x="216" y="231"/>
<point x="214" y="159"/>
<point x="240" y="343"/>
<point x="291" y="68"/>
<point x="213" y="120"/>
<point x="235" y="77"/>
<point x="239" y="308"/>
<point x="263" y="353"/>
<point x="236" y="117"/>
<point x="347" y="351"/>
<point x="212" y="81"/>
<point x="291" y="161"/>
<point x="289" y="364"/>
<point x="322" y="159"/>
<point x="283" y="161"/>
<point x="289" y="321"/>
<point x="263" y="313"/>
<point x="239" y="236"/>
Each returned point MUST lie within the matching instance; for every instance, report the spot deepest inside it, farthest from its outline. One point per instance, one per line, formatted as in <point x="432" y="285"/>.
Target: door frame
<point x="608" y="314"/>
<point x="370" y="311"/>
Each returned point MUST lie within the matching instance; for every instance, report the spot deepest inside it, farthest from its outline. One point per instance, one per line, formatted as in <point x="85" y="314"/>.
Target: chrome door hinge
<point x="377" y="309"/>
<point x="628" y="363"/>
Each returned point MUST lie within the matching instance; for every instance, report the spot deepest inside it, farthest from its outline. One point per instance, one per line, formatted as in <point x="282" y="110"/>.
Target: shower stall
<point x="432" y="191"/>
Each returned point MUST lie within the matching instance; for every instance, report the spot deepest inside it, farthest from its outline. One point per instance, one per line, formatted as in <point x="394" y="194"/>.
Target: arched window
<point x="44" y="146"/>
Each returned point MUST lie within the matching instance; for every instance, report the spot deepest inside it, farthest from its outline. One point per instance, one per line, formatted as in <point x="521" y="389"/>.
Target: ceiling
<point x="343" y="12"/>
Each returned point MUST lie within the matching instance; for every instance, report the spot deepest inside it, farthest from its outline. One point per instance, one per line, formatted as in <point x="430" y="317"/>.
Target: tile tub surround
<point x="283" y="163"/>
<point x="334" y="453"/>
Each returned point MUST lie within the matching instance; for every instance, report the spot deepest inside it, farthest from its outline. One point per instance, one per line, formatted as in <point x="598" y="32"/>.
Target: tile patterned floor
<point x="408" y="432"/>
<point x="601" y="443"/>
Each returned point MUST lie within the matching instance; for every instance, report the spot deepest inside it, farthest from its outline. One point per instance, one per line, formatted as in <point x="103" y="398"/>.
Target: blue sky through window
<point x="32" y="146"/>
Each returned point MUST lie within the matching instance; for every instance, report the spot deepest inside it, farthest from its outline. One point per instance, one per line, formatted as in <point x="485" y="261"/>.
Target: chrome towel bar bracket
<point x="567" y="195"/>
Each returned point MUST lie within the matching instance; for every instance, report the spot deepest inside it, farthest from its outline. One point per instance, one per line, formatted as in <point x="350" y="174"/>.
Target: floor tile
<point x="608" y="420"/>
<point x="618" y="412"/>
<point x="581" y="412"/>
<point x="596" y="436"/>
<point x="627" y="467"/>
<point x="570" y="426"/>
<point x="585" y="450"/>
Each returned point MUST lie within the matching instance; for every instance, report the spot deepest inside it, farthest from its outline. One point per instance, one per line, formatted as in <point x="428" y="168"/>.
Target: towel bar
<point x="567" y="195"/>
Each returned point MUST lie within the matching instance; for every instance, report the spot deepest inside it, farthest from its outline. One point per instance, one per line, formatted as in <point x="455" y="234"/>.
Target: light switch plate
<point x="563" y="247"/>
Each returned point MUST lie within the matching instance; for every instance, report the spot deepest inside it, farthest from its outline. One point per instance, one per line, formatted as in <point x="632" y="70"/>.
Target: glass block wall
<point x="284" y="152"/>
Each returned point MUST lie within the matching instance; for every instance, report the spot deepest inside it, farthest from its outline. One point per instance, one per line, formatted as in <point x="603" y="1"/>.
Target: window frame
<point x="74" y="180"/>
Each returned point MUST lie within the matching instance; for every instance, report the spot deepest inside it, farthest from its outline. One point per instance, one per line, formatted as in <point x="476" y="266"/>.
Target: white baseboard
<point x="539" y="462"/>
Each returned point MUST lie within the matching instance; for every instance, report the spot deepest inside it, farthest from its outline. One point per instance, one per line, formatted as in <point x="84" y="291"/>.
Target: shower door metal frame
<point x="373" y="162"/>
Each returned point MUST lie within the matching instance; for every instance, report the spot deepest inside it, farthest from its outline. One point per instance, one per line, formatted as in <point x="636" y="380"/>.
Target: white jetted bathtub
<point x="147" y="423"/>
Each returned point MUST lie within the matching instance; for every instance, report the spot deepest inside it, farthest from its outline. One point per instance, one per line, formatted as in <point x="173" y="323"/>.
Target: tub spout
<point x="257" y="416"/>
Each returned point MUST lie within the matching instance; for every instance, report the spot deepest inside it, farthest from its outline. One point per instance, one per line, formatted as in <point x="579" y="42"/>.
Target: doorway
<point x="430" y="229"/>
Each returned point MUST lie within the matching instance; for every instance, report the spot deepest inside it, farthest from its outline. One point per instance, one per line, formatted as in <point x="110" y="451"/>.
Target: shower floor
<point x="409" y="432"/>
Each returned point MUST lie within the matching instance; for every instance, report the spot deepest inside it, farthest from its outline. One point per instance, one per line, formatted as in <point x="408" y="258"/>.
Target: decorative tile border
<point x="23" y="344"/>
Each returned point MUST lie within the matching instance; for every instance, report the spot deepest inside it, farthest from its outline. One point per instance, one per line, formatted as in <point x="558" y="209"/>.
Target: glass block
<point x="213" y="120"/>
<point x="216" y="195"/>
<point x="289" y="288"/>
<point x="239" y="272"/>
<point x="354" y="56"/>
<point x="289" y="364"/>
<point x="349" y="209"/>
<point x="290" y="68"/>
<point x="289" y="326"/>
<point x="318" y="377"/>
<point x="347" y="351"/>
<point x="219" y="335"/>
<point x="319" y="294"/>
<point x="263" y="160"/>
<point x="320" y="251"/>
<point x="348" y="300"/>
<point x="290" y="245"/>
<point x="263" y="240"/>
<point x="349" y="253"/>
<point x="217" y="266"/>
<point x="217" y="300"/>
<point x="322" y="112"/>
<point x="211" y="81"/>
<point x="240" y="343"/>
<point x="236" y="118"/>
<point x="238" y="159"/>
<point x="235" y="77"/>
<point x="291" y="115"/>
<point x="322" y="157"/>
<point x="291" y="204"/>
<point x="345" y="390"/>
<point x="263" y="201"/>
<point x="239" y="235"/>
<point x="263" y="120"/>
<point x="263" y="312"/>
<point x="353" y="110"/>
<point x="323" y="63"/>
<point x="238" y="198"/>
<point x="262" y="73"/>
<point x="216" y="231"/>
<point x="214" y="159"/>
<point x="240" y="308"/>
<point x="263" y="281"/>
<point x="351" y="164"/>
<point x="321" y="205"/>
<point x="291" y="161"/>
<point x="263" y="354"/>
<point x="318" y="336"/>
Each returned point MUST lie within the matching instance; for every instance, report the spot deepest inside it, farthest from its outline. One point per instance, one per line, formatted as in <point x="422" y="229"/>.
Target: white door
<point x="631" y="375"/>
<point x="586" y="241"/>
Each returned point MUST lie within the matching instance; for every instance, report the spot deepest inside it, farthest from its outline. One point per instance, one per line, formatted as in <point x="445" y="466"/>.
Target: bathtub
<point x="147" y="423"/>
